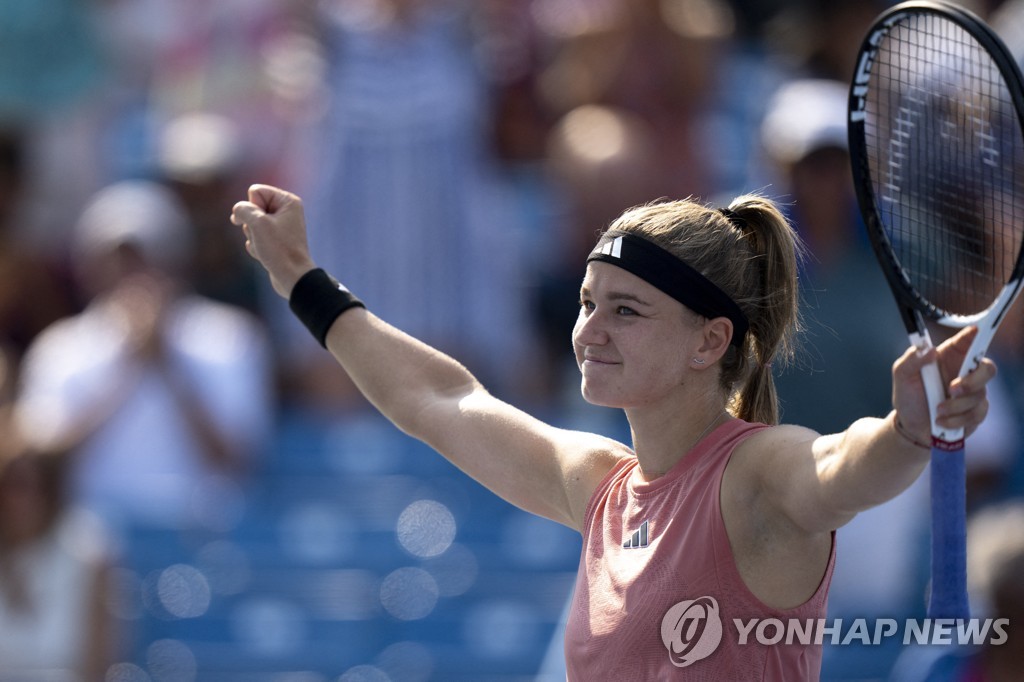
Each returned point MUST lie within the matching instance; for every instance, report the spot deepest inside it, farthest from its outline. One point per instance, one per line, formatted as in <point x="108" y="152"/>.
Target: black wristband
<point x="317" y="299"/>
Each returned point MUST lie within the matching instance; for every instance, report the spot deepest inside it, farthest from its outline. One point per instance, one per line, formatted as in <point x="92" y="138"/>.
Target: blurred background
<point x="190" y="489"/>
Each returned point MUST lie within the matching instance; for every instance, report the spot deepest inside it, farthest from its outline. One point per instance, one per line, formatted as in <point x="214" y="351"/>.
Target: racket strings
<point x="946" y="154"/>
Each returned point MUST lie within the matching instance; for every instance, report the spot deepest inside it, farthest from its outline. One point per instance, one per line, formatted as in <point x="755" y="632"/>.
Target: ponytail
<point x="756" y="400"/>
<point x="770" y="300"/>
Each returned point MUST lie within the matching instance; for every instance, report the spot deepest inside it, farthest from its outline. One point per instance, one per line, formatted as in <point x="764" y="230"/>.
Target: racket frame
<point x="948" y="595"/>
<point x="914" y="308"/>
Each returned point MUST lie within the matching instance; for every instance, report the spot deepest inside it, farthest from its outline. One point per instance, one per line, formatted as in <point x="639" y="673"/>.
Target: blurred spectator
<point x="404" y="155"/>
<point x="821" y="37"/>
<point x="634" y="84"/>
<point x="163" y="397"/>
<point x="175" y="57"/>
<point x="201" y="156"/>
<point x="33" y="290"/>
<point x="513" y="50"/>
<point x="54" y="572"/>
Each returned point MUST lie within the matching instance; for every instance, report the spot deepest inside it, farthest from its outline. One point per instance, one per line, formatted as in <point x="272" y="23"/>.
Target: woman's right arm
<point x="429" y="395"/>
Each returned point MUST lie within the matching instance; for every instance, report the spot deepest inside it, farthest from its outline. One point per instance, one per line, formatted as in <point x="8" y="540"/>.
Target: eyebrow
<point x="617" y="296"/>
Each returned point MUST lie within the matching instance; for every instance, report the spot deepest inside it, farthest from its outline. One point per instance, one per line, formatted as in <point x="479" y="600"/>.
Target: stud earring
<point x="699" y="361"/>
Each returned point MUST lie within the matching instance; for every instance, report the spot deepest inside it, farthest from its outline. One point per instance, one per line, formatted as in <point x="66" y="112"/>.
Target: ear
<point x="717" y="332"/>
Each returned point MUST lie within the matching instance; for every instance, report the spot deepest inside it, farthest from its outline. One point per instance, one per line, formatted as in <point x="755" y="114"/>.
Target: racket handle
<point x="948" y="597"/>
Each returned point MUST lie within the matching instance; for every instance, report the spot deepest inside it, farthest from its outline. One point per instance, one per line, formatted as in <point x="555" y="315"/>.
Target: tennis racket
<point x="938" y="163"/>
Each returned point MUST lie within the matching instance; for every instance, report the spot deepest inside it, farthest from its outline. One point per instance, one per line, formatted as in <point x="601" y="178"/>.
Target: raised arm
<point x="429" y="395"/>
<point x="821" y="482"/>
<point x="787" y="488"/>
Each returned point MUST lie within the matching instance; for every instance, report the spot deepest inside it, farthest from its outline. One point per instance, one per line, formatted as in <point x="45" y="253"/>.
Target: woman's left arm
<point x="821" y="482"/>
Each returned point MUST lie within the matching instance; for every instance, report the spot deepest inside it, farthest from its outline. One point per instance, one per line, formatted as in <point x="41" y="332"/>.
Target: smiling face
<point x="633" y="343"/>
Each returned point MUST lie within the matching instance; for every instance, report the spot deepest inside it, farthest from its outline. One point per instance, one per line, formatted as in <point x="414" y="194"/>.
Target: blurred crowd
<point x="457" y="159"/>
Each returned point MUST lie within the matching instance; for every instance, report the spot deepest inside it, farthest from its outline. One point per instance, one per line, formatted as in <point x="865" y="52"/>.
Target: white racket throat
<point x="935" y="390"/>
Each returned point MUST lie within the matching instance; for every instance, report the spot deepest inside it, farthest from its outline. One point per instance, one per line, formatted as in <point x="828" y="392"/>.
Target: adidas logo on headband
<point x="612" y="248"/>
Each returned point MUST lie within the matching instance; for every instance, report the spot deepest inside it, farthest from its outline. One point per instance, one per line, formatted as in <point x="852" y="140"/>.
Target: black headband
<point x="661" y="269"/>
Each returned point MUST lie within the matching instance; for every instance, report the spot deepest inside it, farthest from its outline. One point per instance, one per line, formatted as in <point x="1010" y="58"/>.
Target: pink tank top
<point x="657" y="577"/>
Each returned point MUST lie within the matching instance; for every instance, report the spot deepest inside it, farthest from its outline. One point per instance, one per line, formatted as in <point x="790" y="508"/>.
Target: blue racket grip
<point x="948" y="597"/>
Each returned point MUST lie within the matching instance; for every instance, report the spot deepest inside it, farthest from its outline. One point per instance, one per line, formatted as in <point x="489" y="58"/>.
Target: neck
<point x="662" y="439"/>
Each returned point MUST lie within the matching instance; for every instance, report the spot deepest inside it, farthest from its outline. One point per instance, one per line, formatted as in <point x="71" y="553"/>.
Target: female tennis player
<point x="716" y="514"/>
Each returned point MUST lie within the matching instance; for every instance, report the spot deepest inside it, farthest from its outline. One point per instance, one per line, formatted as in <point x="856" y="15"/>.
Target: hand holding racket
<point x="937" y="151"/>
<point x="965" y="405"/>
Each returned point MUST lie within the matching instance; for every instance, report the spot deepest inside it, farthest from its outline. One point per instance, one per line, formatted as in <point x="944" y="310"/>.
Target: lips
<point x="599" y="361"/>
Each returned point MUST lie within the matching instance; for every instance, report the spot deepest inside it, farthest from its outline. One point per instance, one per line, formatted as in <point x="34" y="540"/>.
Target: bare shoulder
<point x="778" y="470"/>
<point x="780" y="436"/>
<point x="539" y="467"/>
<point x="588" y="459"/>
<point x="765" y="449"/>
<point x="594" y="451"/>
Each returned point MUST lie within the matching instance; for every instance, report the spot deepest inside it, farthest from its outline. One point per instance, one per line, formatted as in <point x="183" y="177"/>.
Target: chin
<point x="599" y="398"/>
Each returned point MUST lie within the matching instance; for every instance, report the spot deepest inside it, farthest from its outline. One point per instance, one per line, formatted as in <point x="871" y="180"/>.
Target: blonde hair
<point x="751" y="252"/>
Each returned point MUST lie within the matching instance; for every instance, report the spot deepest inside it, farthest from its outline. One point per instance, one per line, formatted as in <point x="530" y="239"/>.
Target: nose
<point x="589" y="329"/>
